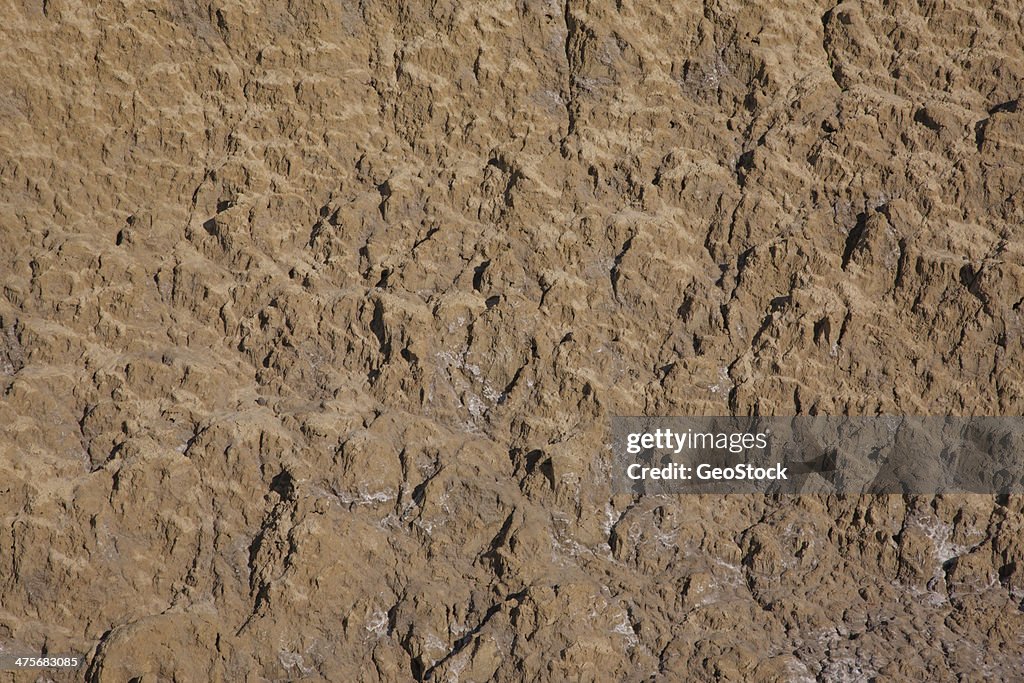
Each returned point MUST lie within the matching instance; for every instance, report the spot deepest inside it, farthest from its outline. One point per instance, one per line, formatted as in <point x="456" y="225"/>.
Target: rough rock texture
<point x="313" y="314"/>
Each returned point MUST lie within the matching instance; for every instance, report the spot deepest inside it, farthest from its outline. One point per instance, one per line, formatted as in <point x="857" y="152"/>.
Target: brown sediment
<point x="313" y="316"/>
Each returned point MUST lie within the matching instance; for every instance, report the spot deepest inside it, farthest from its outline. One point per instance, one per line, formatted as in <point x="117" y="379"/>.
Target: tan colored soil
<point x="313" y="316"/>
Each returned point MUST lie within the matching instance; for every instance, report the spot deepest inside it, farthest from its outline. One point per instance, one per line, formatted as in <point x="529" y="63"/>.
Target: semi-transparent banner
<point x="843" y="455"/>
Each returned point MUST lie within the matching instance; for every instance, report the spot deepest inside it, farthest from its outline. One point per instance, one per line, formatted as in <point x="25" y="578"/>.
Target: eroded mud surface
<point x="312" y="317"/>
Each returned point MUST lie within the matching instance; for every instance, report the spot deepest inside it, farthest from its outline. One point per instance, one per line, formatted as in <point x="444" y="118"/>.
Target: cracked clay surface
<point x="313" y="316"/>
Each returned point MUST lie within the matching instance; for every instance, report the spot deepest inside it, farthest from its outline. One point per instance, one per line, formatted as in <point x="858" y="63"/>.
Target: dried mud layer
<point x="313" y="316"/>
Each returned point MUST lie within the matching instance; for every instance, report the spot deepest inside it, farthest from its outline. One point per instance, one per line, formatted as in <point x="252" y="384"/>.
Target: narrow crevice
<point x="616" y="272"/>
<point x="466" y="639"/>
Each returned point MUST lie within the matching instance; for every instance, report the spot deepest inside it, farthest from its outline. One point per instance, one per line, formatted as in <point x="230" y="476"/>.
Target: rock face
<point x="313" y="314"/>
